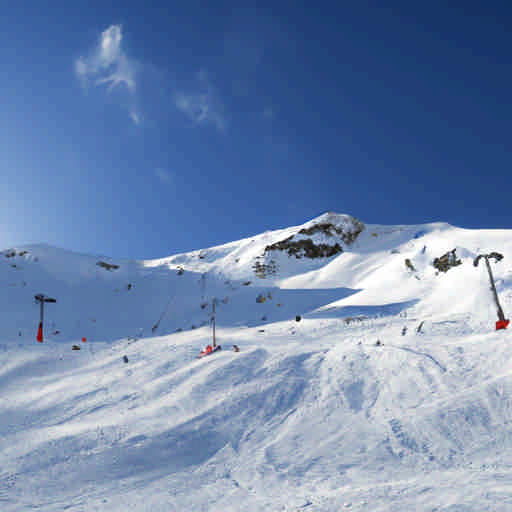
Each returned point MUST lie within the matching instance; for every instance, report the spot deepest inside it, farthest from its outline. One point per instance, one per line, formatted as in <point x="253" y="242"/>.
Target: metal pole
<point x="41" y="298"/>
<point x="501" y="316"/>
<point x="213" y="323"/>
<point x="41" y="316"/>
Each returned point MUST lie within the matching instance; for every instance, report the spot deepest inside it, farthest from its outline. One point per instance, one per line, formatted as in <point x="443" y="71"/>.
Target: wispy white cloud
<point x="135" y="117"/>
<point x="108" y="64"/>
<point x="201" y="104"/>
<point x="163" y="175"/>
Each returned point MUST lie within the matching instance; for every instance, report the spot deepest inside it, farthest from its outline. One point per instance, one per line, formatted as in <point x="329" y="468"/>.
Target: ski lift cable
<point x="155" y="327"/>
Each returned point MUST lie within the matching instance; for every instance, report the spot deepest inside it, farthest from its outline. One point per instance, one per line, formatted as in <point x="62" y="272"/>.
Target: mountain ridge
<point x="373" y="260"/>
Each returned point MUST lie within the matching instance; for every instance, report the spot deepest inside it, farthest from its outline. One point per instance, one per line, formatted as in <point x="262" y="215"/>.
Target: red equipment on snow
<point x="502" y="322"/>
<point x="209" y="350"/>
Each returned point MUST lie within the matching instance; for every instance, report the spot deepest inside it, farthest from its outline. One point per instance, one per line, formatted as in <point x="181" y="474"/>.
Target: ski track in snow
<point x="310" y="415"/>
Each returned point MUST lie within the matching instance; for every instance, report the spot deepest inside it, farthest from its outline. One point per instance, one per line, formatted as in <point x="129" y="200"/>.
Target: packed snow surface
<point x="362" y="382"/>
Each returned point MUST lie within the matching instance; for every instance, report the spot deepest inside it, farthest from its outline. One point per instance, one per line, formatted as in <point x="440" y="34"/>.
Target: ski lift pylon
<point x="502" y="322"/>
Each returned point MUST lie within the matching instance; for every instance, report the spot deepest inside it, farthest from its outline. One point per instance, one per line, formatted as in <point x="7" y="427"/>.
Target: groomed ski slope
<point x="311" y="415"/>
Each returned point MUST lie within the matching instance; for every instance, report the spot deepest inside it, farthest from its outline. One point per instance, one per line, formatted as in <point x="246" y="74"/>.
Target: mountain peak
<point x="340" y="222"/>
<point x="331" y="217"/>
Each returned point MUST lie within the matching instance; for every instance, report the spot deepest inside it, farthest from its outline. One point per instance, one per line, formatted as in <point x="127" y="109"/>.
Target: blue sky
<point x="145" y="131"/>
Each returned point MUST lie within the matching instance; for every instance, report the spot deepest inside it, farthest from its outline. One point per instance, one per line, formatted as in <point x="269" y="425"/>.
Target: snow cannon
<point x="41" y="299"/>
<point x="502" y="322"/>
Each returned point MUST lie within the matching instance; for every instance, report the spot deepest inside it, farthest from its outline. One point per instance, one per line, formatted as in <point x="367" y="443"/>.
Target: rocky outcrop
<point x="347" y="236"/>
<point x="409" y="265"/>
<point x="107" y="266"/>
<point x="263" y="270"/>
<point x="321" y="239"/>
<point x="11" y="253"/>
<point x="305" y="248"/>
<point x="447" y="261"/>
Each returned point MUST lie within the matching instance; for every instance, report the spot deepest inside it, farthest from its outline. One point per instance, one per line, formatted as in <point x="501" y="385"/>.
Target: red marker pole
<point x="41" y="316"/>
<point x="41" y="299"/>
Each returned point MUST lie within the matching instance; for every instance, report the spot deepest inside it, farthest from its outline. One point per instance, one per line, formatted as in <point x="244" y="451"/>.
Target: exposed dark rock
<point x="330" y="229"/>
<point x="107" y="266"/>
<point x="305" y="248"/>
<point x="299" y="246"/>
<point x="263" y="270"/>
<point x="447" y="261"/>
<point x="11" y="253"/>
<point x="409" y="264"/>
<point x="349" y="319"/>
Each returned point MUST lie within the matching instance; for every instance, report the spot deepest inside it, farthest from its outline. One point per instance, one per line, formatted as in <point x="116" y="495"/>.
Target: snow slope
<point x="311" y="415"/>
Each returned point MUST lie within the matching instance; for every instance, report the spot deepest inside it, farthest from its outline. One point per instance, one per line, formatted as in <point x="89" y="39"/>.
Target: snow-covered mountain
<point x="391" y="392"/>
